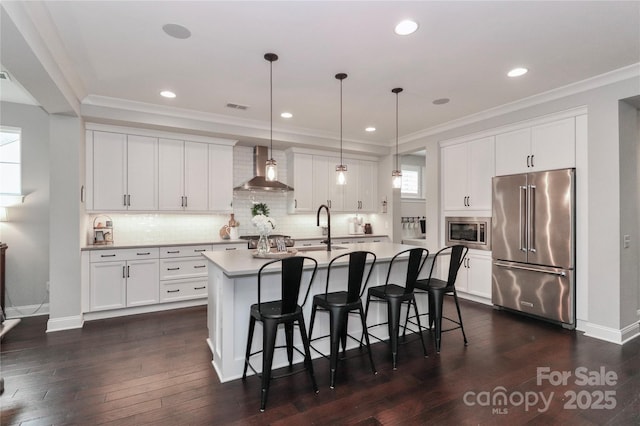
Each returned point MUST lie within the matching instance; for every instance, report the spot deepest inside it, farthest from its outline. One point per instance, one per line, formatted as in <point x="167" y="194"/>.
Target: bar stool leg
<point x="438" y="297"/>
<point x="268" y="345"/>
<point x="393" y="311"/>
<point x="307" y="352"/>
<point x="365" y="333"/>
<point x="336" y="323"/>
<point x="415" y="307"/>
<point x="252" y="324"/>
<point x="464" y="336"/>
<point x="288" y="332"/>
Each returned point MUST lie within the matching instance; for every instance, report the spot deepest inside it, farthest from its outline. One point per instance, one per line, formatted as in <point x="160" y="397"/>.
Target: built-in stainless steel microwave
<point x="473" y="232"/>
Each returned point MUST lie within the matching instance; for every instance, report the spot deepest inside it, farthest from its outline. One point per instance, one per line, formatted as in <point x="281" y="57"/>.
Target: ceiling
<point x="461" y="51"/>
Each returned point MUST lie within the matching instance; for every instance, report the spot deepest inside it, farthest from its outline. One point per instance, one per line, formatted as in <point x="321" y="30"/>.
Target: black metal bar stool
<point x="395" y="295"/>
<point x="437" y="289"/>
<point x="285" y="311"/>
<point x="340" y="303"/>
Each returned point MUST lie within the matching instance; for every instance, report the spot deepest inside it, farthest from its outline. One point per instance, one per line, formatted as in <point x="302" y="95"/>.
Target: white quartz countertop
<point x="239" y="263"/>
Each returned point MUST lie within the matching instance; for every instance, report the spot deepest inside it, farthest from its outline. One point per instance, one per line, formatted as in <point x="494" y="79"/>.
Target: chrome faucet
<point x="328" y="240"/>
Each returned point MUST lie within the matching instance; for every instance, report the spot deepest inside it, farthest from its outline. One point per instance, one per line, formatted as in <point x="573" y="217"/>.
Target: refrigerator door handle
<point x="523" y="220"/>
<point x="532" y="219"/>
<point x="529" y="268"/>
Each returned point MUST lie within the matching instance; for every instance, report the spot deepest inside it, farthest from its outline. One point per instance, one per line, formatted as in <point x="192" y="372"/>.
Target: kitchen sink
<point x="319" y="248"/>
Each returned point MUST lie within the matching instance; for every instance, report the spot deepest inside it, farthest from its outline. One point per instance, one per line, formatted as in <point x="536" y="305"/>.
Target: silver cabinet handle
<point x="199" y="288"/>
<point x="143" y="254"/>
<point x="173" y="291"/>
<point x="107" y="255"/>
<point x="173" y="252"/>
<point x="173" y="269"/>
<point x="199" y="250"/>
<point x="199" y="266"/>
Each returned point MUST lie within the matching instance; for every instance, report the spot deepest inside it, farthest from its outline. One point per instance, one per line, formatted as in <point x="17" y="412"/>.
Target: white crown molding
<point x="601" y="80"/>
<point x="159" y="134"/>
<point x="290" y="133"/>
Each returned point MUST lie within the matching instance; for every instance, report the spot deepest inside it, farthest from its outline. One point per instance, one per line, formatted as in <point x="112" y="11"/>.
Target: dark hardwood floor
<point x="156" y="369"/>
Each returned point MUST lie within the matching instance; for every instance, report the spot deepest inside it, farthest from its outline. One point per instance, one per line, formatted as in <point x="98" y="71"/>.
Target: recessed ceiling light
<point x="517" y="72"/>
<point x="286" y="115"/>
<point x="441" y="101"/>
<point x="167" y="94"/>
<point x="176" y="31"/>
<point x="370" y="129"/>
<point x="406" y="27"/>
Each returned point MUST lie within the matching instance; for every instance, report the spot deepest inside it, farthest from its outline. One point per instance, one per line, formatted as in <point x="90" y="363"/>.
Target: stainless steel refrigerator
<point x="533" y="246"/>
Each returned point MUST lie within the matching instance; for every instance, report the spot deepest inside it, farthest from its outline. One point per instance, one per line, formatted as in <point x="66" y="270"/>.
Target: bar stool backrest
<point x="458" y="254"/>
<point x="417" y="257"/>
<point x="356" y="282"/>
<point x="292" y="269"/>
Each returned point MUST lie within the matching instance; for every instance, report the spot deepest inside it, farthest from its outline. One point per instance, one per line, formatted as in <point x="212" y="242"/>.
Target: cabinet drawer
<point x="183" y="251"/>
<point x="124" y="254"/>
<point x="230" y="246"/>
<point x="183" y="268"/>
<point x="184" y="289"/>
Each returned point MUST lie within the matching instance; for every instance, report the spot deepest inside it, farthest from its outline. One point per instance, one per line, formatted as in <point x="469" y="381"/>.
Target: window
<point x="10" y="166"/>
<point x="411" y="181"/>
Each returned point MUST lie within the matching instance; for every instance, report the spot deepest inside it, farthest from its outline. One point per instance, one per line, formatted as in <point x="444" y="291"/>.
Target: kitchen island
<point x="232" y="289"/>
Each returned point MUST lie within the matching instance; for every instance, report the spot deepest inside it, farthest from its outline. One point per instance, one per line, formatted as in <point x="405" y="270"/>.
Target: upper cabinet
<point x="124" y="171"/>
<point x="147" y="173"/>
<point x="314" y="183"/>
<point x="467" y="169"/>
<point x="184" y="175"/>
<point x="220" y="178"/>
<point x="545" y="146"/>
<point x="299" y="169"/>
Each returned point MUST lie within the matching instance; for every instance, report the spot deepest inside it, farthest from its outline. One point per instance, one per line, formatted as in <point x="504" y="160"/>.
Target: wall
<point x="27" y="232"/>
<point x="629" y="214"/>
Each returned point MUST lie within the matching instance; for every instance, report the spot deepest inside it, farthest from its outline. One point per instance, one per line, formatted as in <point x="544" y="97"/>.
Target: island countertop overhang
<point x="241" y="262"/>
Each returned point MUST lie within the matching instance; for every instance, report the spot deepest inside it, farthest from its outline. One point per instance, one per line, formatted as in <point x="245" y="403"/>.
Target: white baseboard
<point x="612" y="335"/>
<point x="64" y="323"/>
<point x="26" y="311"/>
<point x="90" y="316"/>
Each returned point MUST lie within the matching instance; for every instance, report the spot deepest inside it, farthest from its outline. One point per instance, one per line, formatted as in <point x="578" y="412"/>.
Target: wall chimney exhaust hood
<point x="259" y="182"/>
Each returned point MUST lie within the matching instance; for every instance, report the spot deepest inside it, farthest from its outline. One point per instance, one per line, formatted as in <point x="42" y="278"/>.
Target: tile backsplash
<point x="150" y="228"/>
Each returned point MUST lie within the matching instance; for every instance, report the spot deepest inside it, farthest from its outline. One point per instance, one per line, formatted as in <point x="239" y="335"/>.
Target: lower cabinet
<point x="123" y="278"/>
<point x="474" y="276"/>
<point x="126" y="278"/>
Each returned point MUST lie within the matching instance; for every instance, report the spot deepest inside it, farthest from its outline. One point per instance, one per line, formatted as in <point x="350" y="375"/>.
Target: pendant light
<point x="341" y="169"/>
<point x="396" y="175"/>
<point x="271" y="168"/>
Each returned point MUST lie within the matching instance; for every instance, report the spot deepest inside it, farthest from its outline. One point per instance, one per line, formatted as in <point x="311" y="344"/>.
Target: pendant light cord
<point x="397" y="131"/>
<point x="271" y="106"/>
<point x="341" y="163"/>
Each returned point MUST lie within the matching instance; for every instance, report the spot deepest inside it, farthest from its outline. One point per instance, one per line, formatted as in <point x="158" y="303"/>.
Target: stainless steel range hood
<point x="259" y="182"/>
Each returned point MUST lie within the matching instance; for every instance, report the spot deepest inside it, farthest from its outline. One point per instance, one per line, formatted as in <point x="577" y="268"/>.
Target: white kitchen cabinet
<point x="325" y="190"/>
<point x="184" y="175"/>
<point x="123" y="278"/>
<point x="220" y="178"/>
<point x="360" y="192"/>
<point x="546" y="146"/>
<point x="300" y="170"/>
<point x="467" y="171"/>
<point x="124" y="172"/>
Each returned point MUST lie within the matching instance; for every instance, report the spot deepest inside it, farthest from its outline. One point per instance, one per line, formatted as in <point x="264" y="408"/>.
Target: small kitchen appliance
<point x="356" y="226"/>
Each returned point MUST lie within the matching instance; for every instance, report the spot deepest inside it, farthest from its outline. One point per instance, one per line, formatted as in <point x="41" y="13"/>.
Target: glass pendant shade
<point x="396" y="177"/>
<point x="271" y="170"/>
<point x="341" y="174"/>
